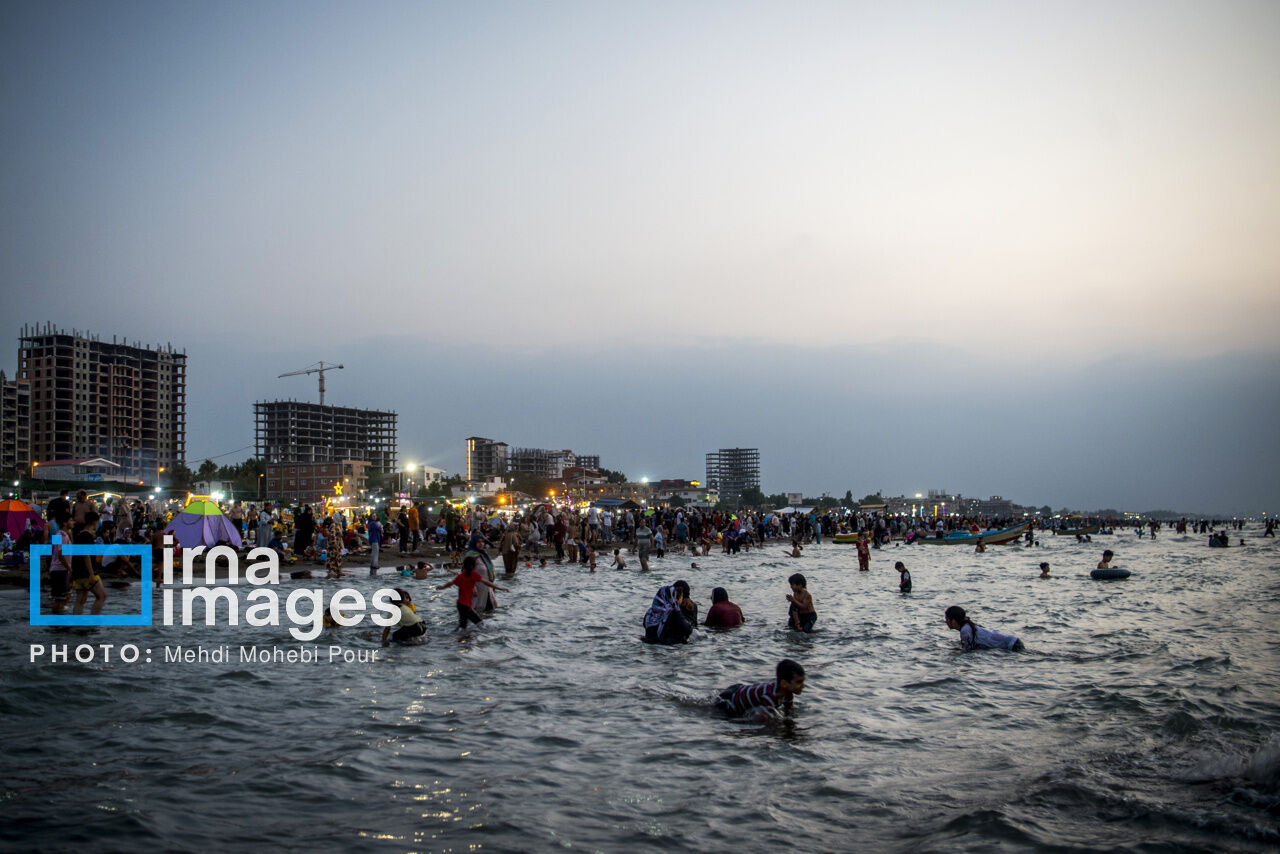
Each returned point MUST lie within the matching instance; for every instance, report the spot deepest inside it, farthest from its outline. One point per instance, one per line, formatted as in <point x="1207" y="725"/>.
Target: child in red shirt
<point x="466" y="582"/>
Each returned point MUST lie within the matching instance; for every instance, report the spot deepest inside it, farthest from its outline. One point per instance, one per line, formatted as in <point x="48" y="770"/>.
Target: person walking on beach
<point x="402" y="530"/>
<point x="373" y="530"/>
<point x="509" y="546"/>
<point x="415" y="528"/>
<point x="58" y="511"/>
<point x="333" y="537"/>
<point x="85" y="578"/>
<point x="303" y="532"/>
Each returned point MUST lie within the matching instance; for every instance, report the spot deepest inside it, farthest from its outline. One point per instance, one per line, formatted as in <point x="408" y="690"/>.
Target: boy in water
<point x="904" y="577"/>
<point x="801" y="616"/>
<point x="764" y="698"/>
<point x="1105" y="563"/>
<point x="618" y="562"/>
<point x="1044" y="569"/>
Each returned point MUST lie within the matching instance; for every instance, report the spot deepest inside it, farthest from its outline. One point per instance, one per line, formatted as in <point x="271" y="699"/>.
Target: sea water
<point x="1143" y="715"/>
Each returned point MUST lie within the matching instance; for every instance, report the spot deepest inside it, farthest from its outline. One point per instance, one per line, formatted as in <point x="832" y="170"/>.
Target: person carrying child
<point x="410" y="625"/>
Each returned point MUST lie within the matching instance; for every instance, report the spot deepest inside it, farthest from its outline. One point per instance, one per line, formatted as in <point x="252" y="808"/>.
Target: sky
<point x="995" y="248"/>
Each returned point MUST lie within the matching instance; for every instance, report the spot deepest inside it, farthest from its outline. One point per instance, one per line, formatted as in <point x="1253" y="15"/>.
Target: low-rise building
<point x="311" y="483"/>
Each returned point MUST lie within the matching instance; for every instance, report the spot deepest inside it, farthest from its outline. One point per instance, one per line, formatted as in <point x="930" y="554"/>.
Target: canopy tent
<point x="201" y="523"/>
<point x="15" y="515"/>
<point x="615" y="503"/>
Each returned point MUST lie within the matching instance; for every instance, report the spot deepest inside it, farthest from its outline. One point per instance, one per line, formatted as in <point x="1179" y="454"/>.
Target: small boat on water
<point x="845" y="538"/>
<point x="988" y="537"/>
<point x="1071" y="532"/>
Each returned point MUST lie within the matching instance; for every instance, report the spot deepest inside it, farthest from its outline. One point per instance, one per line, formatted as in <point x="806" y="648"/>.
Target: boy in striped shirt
<point x="764" y="697"/>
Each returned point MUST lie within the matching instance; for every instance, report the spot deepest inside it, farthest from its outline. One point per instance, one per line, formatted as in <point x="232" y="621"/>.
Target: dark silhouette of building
<point x="289" y="431"/>
<point x="732" y="471"/>
<point x="90" y="398"/>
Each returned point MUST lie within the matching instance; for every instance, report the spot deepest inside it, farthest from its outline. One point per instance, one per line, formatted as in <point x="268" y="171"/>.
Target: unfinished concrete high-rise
<point x="15" y="427"/>
<point x="92" y="398"/>
<point x="732" y="471"/>
<point x="290" y="431"/>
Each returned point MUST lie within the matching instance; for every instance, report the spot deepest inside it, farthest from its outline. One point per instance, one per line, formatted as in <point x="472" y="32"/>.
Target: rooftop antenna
<point x="317" y="368"/>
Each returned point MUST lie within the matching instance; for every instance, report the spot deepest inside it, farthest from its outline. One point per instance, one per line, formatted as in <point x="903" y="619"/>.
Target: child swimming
<point x="973" y="636"/>
<point x="764" y="698"/>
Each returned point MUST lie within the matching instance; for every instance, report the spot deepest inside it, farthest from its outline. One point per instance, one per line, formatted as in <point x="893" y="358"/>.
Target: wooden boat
<point x="1087" y="529"/>
<point x="990" y="538"/>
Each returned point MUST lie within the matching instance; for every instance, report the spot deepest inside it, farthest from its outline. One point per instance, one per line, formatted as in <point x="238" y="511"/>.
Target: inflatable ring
<point x="1114" y="572"/>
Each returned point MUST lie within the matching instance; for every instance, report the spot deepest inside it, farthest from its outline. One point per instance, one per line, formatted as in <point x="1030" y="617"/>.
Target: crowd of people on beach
<point x="464" y="535"/>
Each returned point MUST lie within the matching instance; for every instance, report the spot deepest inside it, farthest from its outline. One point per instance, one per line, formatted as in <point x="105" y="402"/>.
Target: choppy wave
<point x="1141" y="717"/>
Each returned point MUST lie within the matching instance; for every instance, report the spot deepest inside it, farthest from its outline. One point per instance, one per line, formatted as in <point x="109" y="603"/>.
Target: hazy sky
<point x="998" y="248"/>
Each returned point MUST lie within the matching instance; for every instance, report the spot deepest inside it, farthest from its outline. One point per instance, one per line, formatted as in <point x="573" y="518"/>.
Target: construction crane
<point x="317" y="368"/>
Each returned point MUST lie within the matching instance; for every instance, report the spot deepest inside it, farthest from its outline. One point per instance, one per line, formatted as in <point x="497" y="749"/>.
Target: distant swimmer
<point x="723" y="614"/>
<point x="801" y="615"/>
<point x="618" y="562"/>
<point x="1044" y="569"/>
<point x="980" y="547"/>
<point x="1105" y="563"/>
<point x="904" y="577"/>
<point x="973" y="636"/>
<point x="764" y="698"/>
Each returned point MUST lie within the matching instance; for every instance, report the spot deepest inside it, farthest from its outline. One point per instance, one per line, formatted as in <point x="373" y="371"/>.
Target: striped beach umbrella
<point x="201" y="523"/>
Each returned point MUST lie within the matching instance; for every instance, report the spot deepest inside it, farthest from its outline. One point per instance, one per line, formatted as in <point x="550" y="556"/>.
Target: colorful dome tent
<point x="14" y="516"/>
<point x="201" y="523"/>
